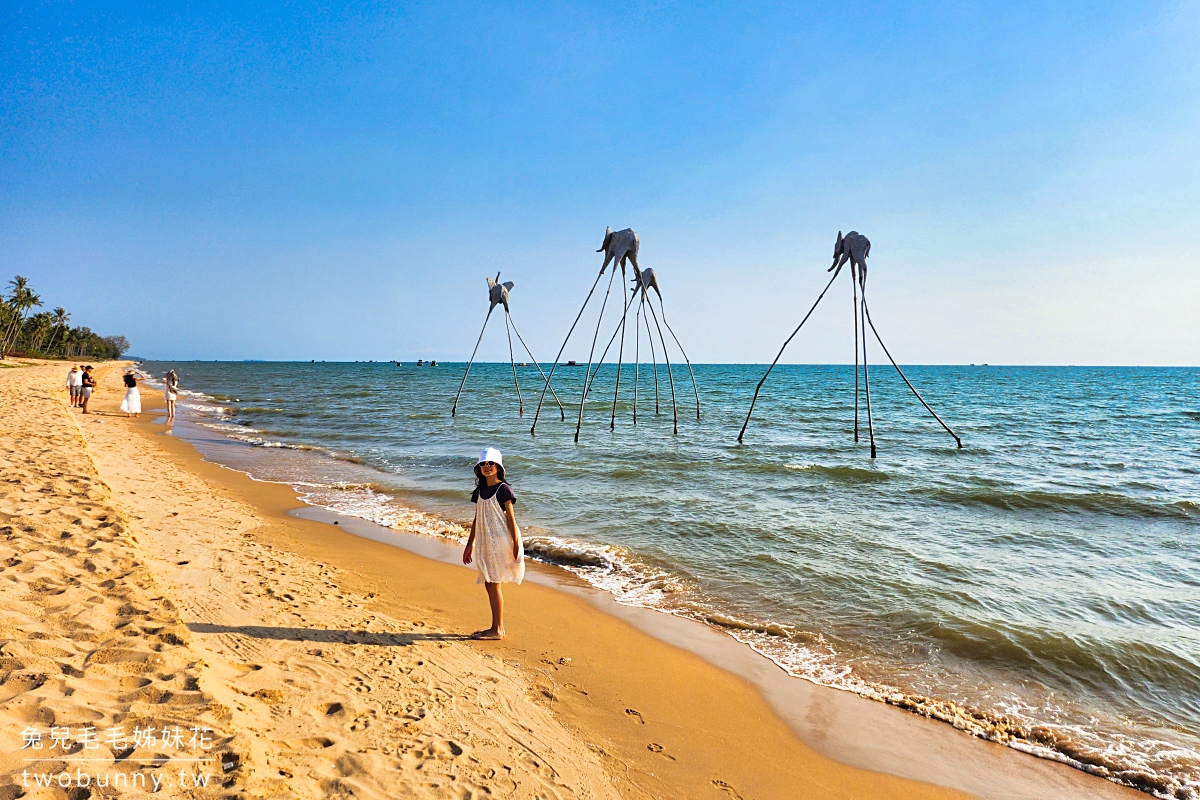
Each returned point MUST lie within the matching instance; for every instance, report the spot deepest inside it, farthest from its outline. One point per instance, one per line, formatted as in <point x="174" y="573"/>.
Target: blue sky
<point x="335" y="181"/>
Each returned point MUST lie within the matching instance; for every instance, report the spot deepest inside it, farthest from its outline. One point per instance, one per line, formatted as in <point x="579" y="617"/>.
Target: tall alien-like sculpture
<point x="643" y="282"/>
<point x="498" y="295"/>
<point x="620" y="248"/>
<point x="853" y="248"/>
<point x="617" y="247"/>
<point x="648" y="280"/>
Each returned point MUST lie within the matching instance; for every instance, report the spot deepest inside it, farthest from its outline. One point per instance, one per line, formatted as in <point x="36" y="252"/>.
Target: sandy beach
<point x="167" y="623"/>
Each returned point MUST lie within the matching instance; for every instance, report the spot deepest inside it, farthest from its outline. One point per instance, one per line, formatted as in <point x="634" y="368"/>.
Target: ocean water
<point x="1039" y="587"/>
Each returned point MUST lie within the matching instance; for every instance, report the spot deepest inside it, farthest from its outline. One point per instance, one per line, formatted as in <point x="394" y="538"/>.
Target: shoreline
<point x="730" y="724"/>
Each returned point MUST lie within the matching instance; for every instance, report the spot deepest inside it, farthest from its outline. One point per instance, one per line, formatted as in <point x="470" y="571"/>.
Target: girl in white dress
<point x="132" y="404"/>
<point x="495" y="541"/>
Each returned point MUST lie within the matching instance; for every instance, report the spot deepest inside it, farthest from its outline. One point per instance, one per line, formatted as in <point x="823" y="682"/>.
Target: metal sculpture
<point x="498" y="295"/>
<point x="649" y="280"/>
<point x="620" y="248"/>
<point x="853" y="248"/>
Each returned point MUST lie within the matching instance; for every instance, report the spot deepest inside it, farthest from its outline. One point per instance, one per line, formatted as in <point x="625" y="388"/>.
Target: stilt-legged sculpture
<point x="854" y="248"/>
<point x="617" y="247"/>
<point x="650" y="281"/>
<point x="867" y="377"/>
<point x="498" y="295"/>
<point x="854" y="291"/>
<point x="587" y="375"/>
<point x="666" y="360"/>
<point x="513" y="362"/>
<point x="643" y="281"/>
<point x="612" y="421"/>
<point x="637" y="359"/>
<point x="637" y="356"/>
<point x="653" y="359"/>
<point x="867" y="316"/>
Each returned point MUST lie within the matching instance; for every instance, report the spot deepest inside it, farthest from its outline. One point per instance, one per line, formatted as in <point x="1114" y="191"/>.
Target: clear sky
<point x="336" y="180"/>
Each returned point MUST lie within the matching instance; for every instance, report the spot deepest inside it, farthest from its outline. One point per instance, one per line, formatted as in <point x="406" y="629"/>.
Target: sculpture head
<point x="607" y="239"/>
<point x="853" y="247"/>
<point x="498" y="292"/>
<point x="646" y="279"/>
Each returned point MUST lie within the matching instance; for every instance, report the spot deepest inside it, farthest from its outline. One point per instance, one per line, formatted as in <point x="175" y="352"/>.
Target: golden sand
<point x="145" y="588"/>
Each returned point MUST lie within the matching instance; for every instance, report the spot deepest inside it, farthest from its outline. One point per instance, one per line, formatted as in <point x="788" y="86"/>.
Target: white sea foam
<point x="362" y="501"/>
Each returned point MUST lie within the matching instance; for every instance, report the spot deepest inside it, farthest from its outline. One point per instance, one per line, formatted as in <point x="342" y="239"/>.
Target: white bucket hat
<point x="493" y="455"/>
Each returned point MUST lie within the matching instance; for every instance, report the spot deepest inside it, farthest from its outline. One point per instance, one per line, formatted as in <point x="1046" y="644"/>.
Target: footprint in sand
<point x="655" y="747"/>
<point x="316" y="742"/>
<point x="725" y="787"/>
<point x="636" y="714"/>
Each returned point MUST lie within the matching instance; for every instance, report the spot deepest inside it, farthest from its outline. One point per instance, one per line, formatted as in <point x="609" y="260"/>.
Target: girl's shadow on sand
<point x="329" y="637"/>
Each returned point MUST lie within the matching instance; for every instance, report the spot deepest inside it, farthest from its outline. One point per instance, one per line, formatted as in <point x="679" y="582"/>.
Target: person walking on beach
<point x="495" y="541"/>
<point x="171" y="391"/>
<point x="75" y="385"/>
<point x="87" y="384"/>
<point x="132" y="404"/>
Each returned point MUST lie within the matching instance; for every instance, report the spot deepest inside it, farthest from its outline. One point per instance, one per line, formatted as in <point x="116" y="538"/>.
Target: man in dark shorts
<point x="89" y="383"/>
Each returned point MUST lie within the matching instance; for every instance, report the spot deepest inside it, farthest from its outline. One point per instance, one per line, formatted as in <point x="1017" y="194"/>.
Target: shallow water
<point x="1038" y="587"/>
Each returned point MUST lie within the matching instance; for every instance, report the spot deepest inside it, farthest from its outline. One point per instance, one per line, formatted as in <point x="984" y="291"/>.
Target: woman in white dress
<point x="495" y="541"/>
<point x="132" y="404"/>
<point x="170" y="392"/>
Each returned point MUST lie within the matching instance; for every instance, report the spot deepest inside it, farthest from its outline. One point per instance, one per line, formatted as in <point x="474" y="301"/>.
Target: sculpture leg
<point x="867" y="314"/>
<point x="554" y="366"/>
<point x="695" y="390"/>
<point x="587" y="379"/>
<point x="854" y="289"/>
<point x="561" y="410"/>
<point x="611" y="339"/>
<point x="513" y="361"/>
<point x="612" y="421"/>
<point x="637" y="356"/>
<point x="867" y="383"/>
<point x="758" y="388"/>
<point x="653" y="358"/>
<point x="670" y="374"/>
<point x="454" y="408"/>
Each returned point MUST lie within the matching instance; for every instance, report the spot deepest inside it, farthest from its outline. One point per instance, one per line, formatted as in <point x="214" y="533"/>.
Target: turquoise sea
<point x="1039" y="587"/>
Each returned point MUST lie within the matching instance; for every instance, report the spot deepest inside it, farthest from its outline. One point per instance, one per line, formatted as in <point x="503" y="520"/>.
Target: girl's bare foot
<point x="488" y="635"/>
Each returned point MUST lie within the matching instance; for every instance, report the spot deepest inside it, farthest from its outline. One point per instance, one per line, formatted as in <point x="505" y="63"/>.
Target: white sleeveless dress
<point x="132" y="404"/>
<point x="493" y="545"/>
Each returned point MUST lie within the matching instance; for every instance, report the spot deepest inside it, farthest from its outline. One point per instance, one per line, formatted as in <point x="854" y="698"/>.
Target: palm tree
<point x="36" y="329"/>
<point x="20" y="301"/>
<point x="59" y="320"/>
<point x="9" y="304"/>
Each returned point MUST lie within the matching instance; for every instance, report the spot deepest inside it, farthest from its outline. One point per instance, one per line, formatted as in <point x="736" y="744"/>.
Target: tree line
<point x="47" y="334"/>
